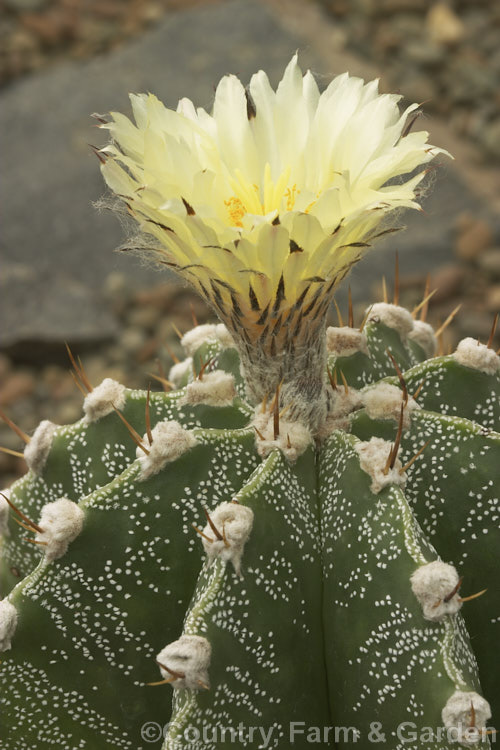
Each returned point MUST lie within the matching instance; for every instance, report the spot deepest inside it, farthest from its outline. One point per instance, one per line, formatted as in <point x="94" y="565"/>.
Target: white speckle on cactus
<point x="215" y="388"/>
<point x="61" y="522"/>
<point x="99" y="402"/>
<point x="458" y="714"/>
<point x="4" y="513"/>
<point x="178" y="372"/>
<point x="170" y="441"/>
<point x="433" y="584"/>
<point x="392" y="316"/>
<point x="345" y="341"/>
<point x="471" y="353"/>
<point x="373" y="457"/>
<point x="423" y="335"/>
<point x="234" y="523"/>
<point x="383" y="401"/>
<point x="8" y="622"/>
<point x="209" y="332"/>
<point x="37" y="450"/>
<point x="189" y="658"/>
<point x="293" y="439"/>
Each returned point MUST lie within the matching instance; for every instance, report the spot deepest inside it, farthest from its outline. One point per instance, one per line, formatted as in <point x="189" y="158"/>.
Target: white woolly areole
<point x="37" y="450"/>
<point x="345" y="403"/>
<point x="61" y="522"/>
<point x="234" y="523"/>
<point x="215" y="388"/>
<point x="342" y="405"/>
<point x="4" y="513"/>
<point x="432" y="584"/>
<point x="457" y="714"/>
<point x="223" y="336"/>
<point x="471" y="353"/>
<point x="8" y="622"/>
<point x="170" y="441"/>
<point x="383" y="401"/>
<point x="196" y="337"/>
<point x="189" y="656"/>
<point x="373" y="459"/>
<point x="423" y="335"/>
<point x="345" y="341"/>
<point x="292" y="441"/>
<point x="209" y="332"/>
<point x="178" y="372"/>
<point x="392" y="316"/>
<point x="99" y="402"/>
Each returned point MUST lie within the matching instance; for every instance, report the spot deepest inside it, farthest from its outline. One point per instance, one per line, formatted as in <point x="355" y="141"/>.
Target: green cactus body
<point x="271" y="554"/>
<point x="314" y="625"/>
<point x="372" y="547"/>
<point x="71" y="470"/>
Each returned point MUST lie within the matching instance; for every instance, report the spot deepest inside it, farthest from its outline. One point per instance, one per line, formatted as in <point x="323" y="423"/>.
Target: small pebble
<point x="444" y="26"/>
<point x="447" y="280"/>
<point x="17" y="386"/>
<point x="473" y="239"/>
<point x="493" y="298"/>
<point x="489" y="262"/>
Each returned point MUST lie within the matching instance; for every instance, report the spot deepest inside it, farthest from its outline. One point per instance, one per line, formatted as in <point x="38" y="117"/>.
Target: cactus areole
<point x="296" y="542"/>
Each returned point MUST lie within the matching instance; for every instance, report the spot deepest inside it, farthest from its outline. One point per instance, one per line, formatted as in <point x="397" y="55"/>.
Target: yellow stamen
<point x="246" y="192"/>
<point x="236" y="211"/>
<point x="291" y="195"/>
<point x="311" y="204"/>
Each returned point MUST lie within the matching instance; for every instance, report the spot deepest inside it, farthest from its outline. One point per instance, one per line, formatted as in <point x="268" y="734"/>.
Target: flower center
<point x="236" y="210"/>
<point x="260" y="200"/>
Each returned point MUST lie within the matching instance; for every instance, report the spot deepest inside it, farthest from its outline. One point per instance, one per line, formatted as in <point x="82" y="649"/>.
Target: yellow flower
<point x="265" y="204"/>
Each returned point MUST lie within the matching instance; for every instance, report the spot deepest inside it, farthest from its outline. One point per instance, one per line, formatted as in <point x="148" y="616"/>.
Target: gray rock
<point x="56" y="248"/>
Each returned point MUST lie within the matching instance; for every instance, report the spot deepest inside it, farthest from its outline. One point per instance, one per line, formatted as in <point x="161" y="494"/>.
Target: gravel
<point x="444" y="53"/>
<point x="35" y="34"/>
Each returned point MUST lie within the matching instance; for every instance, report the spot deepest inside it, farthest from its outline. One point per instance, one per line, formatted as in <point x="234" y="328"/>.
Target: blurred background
<point x="61" y="60"/>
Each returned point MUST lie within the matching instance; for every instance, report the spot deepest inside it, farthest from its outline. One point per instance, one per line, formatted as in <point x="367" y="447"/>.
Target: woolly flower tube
<point x="266" y="203"/>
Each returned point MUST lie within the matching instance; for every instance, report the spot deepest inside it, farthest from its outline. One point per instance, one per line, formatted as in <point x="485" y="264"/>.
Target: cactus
<point x="290" y="544"/>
